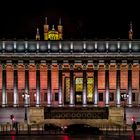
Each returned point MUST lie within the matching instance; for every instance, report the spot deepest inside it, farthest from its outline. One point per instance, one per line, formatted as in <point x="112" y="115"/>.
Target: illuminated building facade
<point x="55" y="73"/>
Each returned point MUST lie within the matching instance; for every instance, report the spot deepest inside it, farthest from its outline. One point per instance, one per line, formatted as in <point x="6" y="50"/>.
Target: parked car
<point x="52" y="127"/>
<point x="82" y="129"/>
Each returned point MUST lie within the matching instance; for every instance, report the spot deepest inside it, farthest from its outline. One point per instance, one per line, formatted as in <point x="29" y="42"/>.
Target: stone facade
<point x="70" y="73"/>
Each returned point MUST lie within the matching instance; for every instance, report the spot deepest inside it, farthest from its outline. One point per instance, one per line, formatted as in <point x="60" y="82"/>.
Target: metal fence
<point x="22" y="128"/>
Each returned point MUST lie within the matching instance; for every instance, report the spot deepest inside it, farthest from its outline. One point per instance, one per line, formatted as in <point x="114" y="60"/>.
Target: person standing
<point x="134" y="127"/>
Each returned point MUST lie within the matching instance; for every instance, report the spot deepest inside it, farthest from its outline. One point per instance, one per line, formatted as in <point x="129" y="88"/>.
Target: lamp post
<point x="25" y="97"/>
<point x="125" y="97"/>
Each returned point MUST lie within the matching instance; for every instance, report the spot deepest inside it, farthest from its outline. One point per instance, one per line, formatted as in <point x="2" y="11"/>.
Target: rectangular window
<point x="122" y="94"/>
<point x="111" y="96"/>
<point x="56" y="96"/>
<point x="45" y="97"/>
<point x="100" y="96"/>
<point x="133" y="96"/>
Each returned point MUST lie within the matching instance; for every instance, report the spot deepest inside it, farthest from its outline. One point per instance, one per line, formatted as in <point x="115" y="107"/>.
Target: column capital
<point x="15" y="66"/>
<point x="106" y="66"/>
<point x="71" y="66"/>
<point x="96" y="66"/>
<point x="37" y="66"/>
<point x="84" y="66"/>
<point x="3" y="66"/>
<point x="49" y="66"/>
<point x="26" y="66"/>
<point x="129" y="66"/>
<point x="118" y="66"/>
<point x="60" y="66"/>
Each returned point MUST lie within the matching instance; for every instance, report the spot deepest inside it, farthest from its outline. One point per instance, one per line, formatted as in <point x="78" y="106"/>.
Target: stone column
<point x="60" y="100"/>
<point x="118" y="94"/>
<point x="49" y="89"/>
<point x="26" y="98"/>
<point x="16" y="99"/>
<point x="129" y="103"/>
<point x="95" y="85"/>
<point x="72" y="96"/>
<point x="84" y="85"/>
<point x="107" y="85"/>
<point x="37" y="85"/>
<point x="4" y="94"/>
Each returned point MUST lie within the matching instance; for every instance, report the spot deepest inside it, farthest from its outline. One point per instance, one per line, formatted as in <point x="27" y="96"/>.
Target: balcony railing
<point x="69" y="47"/>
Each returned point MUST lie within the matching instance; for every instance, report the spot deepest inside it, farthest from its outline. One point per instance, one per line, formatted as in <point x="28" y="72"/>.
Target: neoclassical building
<point x="59" y="73"/>
<point x="75" y="73"/>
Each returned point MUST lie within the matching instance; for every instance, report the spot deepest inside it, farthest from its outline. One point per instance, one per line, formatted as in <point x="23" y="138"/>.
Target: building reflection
<point x="12" y="135"/>
<point x="100" y="138"/>
<point x="66" y="137"/>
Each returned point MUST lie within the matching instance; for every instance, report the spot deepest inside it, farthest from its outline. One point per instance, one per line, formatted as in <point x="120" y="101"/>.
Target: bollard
<point x="29" y="129"/>
<point x="119" y="130"/>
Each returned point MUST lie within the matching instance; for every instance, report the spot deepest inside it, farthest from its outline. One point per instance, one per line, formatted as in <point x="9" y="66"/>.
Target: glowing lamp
<point x="133" y="119"/>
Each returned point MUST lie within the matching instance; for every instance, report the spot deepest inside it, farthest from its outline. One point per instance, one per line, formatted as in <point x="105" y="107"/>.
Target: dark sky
<point x="86" y="19"/>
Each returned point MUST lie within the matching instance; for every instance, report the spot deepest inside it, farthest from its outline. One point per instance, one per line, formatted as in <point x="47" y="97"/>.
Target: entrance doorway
<point x="78" y="97"/>
<point x="78" y="85"/>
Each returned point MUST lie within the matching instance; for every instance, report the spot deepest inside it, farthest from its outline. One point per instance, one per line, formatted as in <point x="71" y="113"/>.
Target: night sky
<point x="88" y="19"/>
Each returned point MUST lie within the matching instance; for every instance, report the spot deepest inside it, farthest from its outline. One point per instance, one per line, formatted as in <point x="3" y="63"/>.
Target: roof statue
<point x="45" y="20"/>
<point x="37" y="34"/>
<point x="130" y="33"/>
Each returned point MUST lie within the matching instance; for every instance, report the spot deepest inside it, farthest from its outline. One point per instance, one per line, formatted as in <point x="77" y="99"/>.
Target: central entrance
<point x="78" y="89"/>
<point x="78" y="97"/>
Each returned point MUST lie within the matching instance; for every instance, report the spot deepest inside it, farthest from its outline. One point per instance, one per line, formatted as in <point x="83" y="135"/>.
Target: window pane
<point x="111" y="96"/>
<point x="100" y="96"/>
<point x="133" y="96"/>
<point x="56" y="96"/>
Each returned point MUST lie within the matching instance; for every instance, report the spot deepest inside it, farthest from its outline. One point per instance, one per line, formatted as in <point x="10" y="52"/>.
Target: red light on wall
<point x="12" y="117"/>
<point x="133" y="119"/>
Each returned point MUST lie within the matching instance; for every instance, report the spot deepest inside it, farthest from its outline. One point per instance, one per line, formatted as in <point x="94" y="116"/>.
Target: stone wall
<point x="35" y="115"/>
<point x="65" y="122"/>
<point x="116" y="115"/>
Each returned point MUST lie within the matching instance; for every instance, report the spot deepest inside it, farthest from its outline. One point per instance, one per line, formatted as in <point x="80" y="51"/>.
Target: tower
<point x="46" y="29"/>
<point x="130" y="33"/>
<point x="52" y="34"/>
<point x="60" y="30"/>
<point x="37" y="37"/>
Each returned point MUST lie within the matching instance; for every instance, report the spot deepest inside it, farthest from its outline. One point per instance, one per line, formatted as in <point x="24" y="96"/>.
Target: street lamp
<point x="125" y="97"/>
<point x="25" y="97"/>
